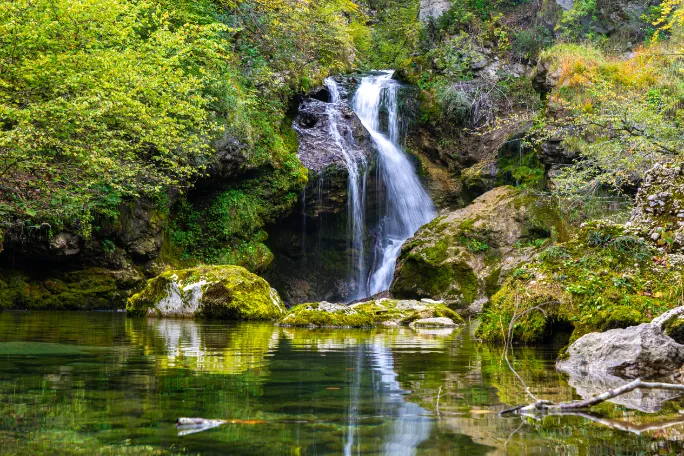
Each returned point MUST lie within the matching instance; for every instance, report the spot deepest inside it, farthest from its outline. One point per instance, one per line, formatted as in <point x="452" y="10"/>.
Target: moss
<point x="620" y="317"/>
<point x="155" y="290"/>
<point x="309" y="315"/>
<point x="599" y="280"/>
<point x="88" y="289"/>
<point x="675" y="329"/>
<point x="227" y="292"/>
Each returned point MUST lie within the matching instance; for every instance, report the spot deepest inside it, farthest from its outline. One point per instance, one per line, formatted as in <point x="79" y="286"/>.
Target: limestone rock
<point x="545" y="76"/>
<point x="325" y="314"/>
<point x="223" y="292"/>
<point x="317" y="150"/>
<point x="464" y="255"/>
<point x="433" y="9"/>
<point x="643" y="351"/>
<point x="659" y="207"/>
<point x="644" y="400"/>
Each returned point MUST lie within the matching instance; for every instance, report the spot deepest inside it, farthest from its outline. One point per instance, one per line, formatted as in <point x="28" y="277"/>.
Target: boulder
<point x="224" y="292"/>
<point x="433" y="9"/>
<point x="643" y="351"/>
<point x="464" y="255"/>
<point x="644" y="400"/>
<point x="327" y="315"/>
<point x="391" y="312"/>
<point x="437" y="322"/>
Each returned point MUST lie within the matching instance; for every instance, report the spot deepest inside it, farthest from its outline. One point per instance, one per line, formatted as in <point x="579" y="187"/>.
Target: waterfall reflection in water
<point x="98" y="383"/>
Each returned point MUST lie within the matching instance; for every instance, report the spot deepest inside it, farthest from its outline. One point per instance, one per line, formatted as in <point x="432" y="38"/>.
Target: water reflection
<point x="102" y="383"/>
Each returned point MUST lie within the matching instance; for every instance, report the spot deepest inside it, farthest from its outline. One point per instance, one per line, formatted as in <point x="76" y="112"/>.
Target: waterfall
<point x="356" y="191"/>
<point x="406" y="206"/>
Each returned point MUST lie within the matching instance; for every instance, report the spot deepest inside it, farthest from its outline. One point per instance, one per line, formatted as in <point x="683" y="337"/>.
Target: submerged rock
<point x="384" y="312"/>
<point x="225" y="292"/>
<point x="643" y="351"/>
<point x="463" y="256"/>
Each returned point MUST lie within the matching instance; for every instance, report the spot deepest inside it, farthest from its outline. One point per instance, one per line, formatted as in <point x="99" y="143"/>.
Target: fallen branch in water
<point x="548" y="406"/>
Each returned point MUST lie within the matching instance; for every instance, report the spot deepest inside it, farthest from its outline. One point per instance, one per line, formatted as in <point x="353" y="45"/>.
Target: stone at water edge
<point x="223" y="292"/>
<point x="327" y="315"/>
<point x="383" y="312"/>
<point x="643" y="351"/>
<point x="437" y="322"/>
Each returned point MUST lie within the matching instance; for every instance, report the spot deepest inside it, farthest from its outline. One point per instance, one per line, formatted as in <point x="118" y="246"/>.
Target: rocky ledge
<point x="380" y="312"/>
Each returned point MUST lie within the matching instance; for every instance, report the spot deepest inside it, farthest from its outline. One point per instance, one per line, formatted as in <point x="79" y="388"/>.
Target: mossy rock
<point x="366" y="314"/>
<point x="327" y="315"/>
<point x="606" y="277"/>
<point x="675" y="329"/>
<point x="223" y="292"/>
<point x="86" y="289"/>
<point x="621" y="317"/>
<point x="405" y="311"/>
<point x="465" y="255"/>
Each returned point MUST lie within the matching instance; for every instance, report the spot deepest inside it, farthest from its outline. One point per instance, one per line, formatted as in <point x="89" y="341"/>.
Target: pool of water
<point x="101" y="383"/>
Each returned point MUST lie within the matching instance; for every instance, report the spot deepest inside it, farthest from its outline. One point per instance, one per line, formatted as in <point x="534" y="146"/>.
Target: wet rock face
<point x="464" y="255"/>
<point x="643" y="351"/>
<point x="317" y="150"/>
<point x="659" y="207"/>
<point x="312" y="253"/>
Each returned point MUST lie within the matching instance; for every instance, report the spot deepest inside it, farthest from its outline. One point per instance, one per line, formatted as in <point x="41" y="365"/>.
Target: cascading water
<point x="406" y="205"/>
<point x="356" y="191"/>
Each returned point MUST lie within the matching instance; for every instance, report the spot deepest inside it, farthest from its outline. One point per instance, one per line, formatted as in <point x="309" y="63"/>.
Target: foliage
<point x="619" y="116"/>
<point x="100" y="101"/>
<point x="105" y="101"/>
<point x="604" y="278"/>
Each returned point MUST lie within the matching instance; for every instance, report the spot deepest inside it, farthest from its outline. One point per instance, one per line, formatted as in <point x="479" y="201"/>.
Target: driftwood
<point x="548" y="406"/>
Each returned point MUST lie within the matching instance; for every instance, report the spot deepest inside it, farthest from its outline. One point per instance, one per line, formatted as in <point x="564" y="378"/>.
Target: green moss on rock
<point x="465" y="255"/>
<point x="365" y="314"/>
<point x="621" y="317"/>
<point x="675" y="329"/>
<point x="87" y="289"/>
<point x="326" y="315"/>
<point x="606" y="277"/>
<point x="223" y="292"/>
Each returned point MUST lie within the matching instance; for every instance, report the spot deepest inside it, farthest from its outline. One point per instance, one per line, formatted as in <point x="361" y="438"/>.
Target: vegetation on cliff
<point x="104" y="102"/>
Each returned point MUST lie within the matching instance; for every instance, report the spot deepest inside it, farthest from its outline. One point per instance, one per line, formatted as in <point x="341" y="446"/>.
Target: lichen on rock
<point x="223" y="292"/>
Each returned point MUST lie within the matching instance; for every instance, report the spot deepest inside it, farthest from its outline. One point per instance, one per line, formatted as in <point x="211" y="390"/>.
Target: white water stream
<point x="406" y="205"/>
<point x="356" y="192"/>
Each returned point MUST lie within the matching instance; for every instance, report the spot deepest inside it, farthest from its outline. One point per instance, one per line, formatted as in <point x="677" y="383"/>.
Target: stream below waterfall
<point x="101" y="383"/>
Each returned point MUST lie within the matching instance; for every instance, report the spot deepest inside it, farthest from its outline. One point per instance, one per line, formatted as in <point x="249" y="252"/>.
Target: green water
<point x="99" y="383"/>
